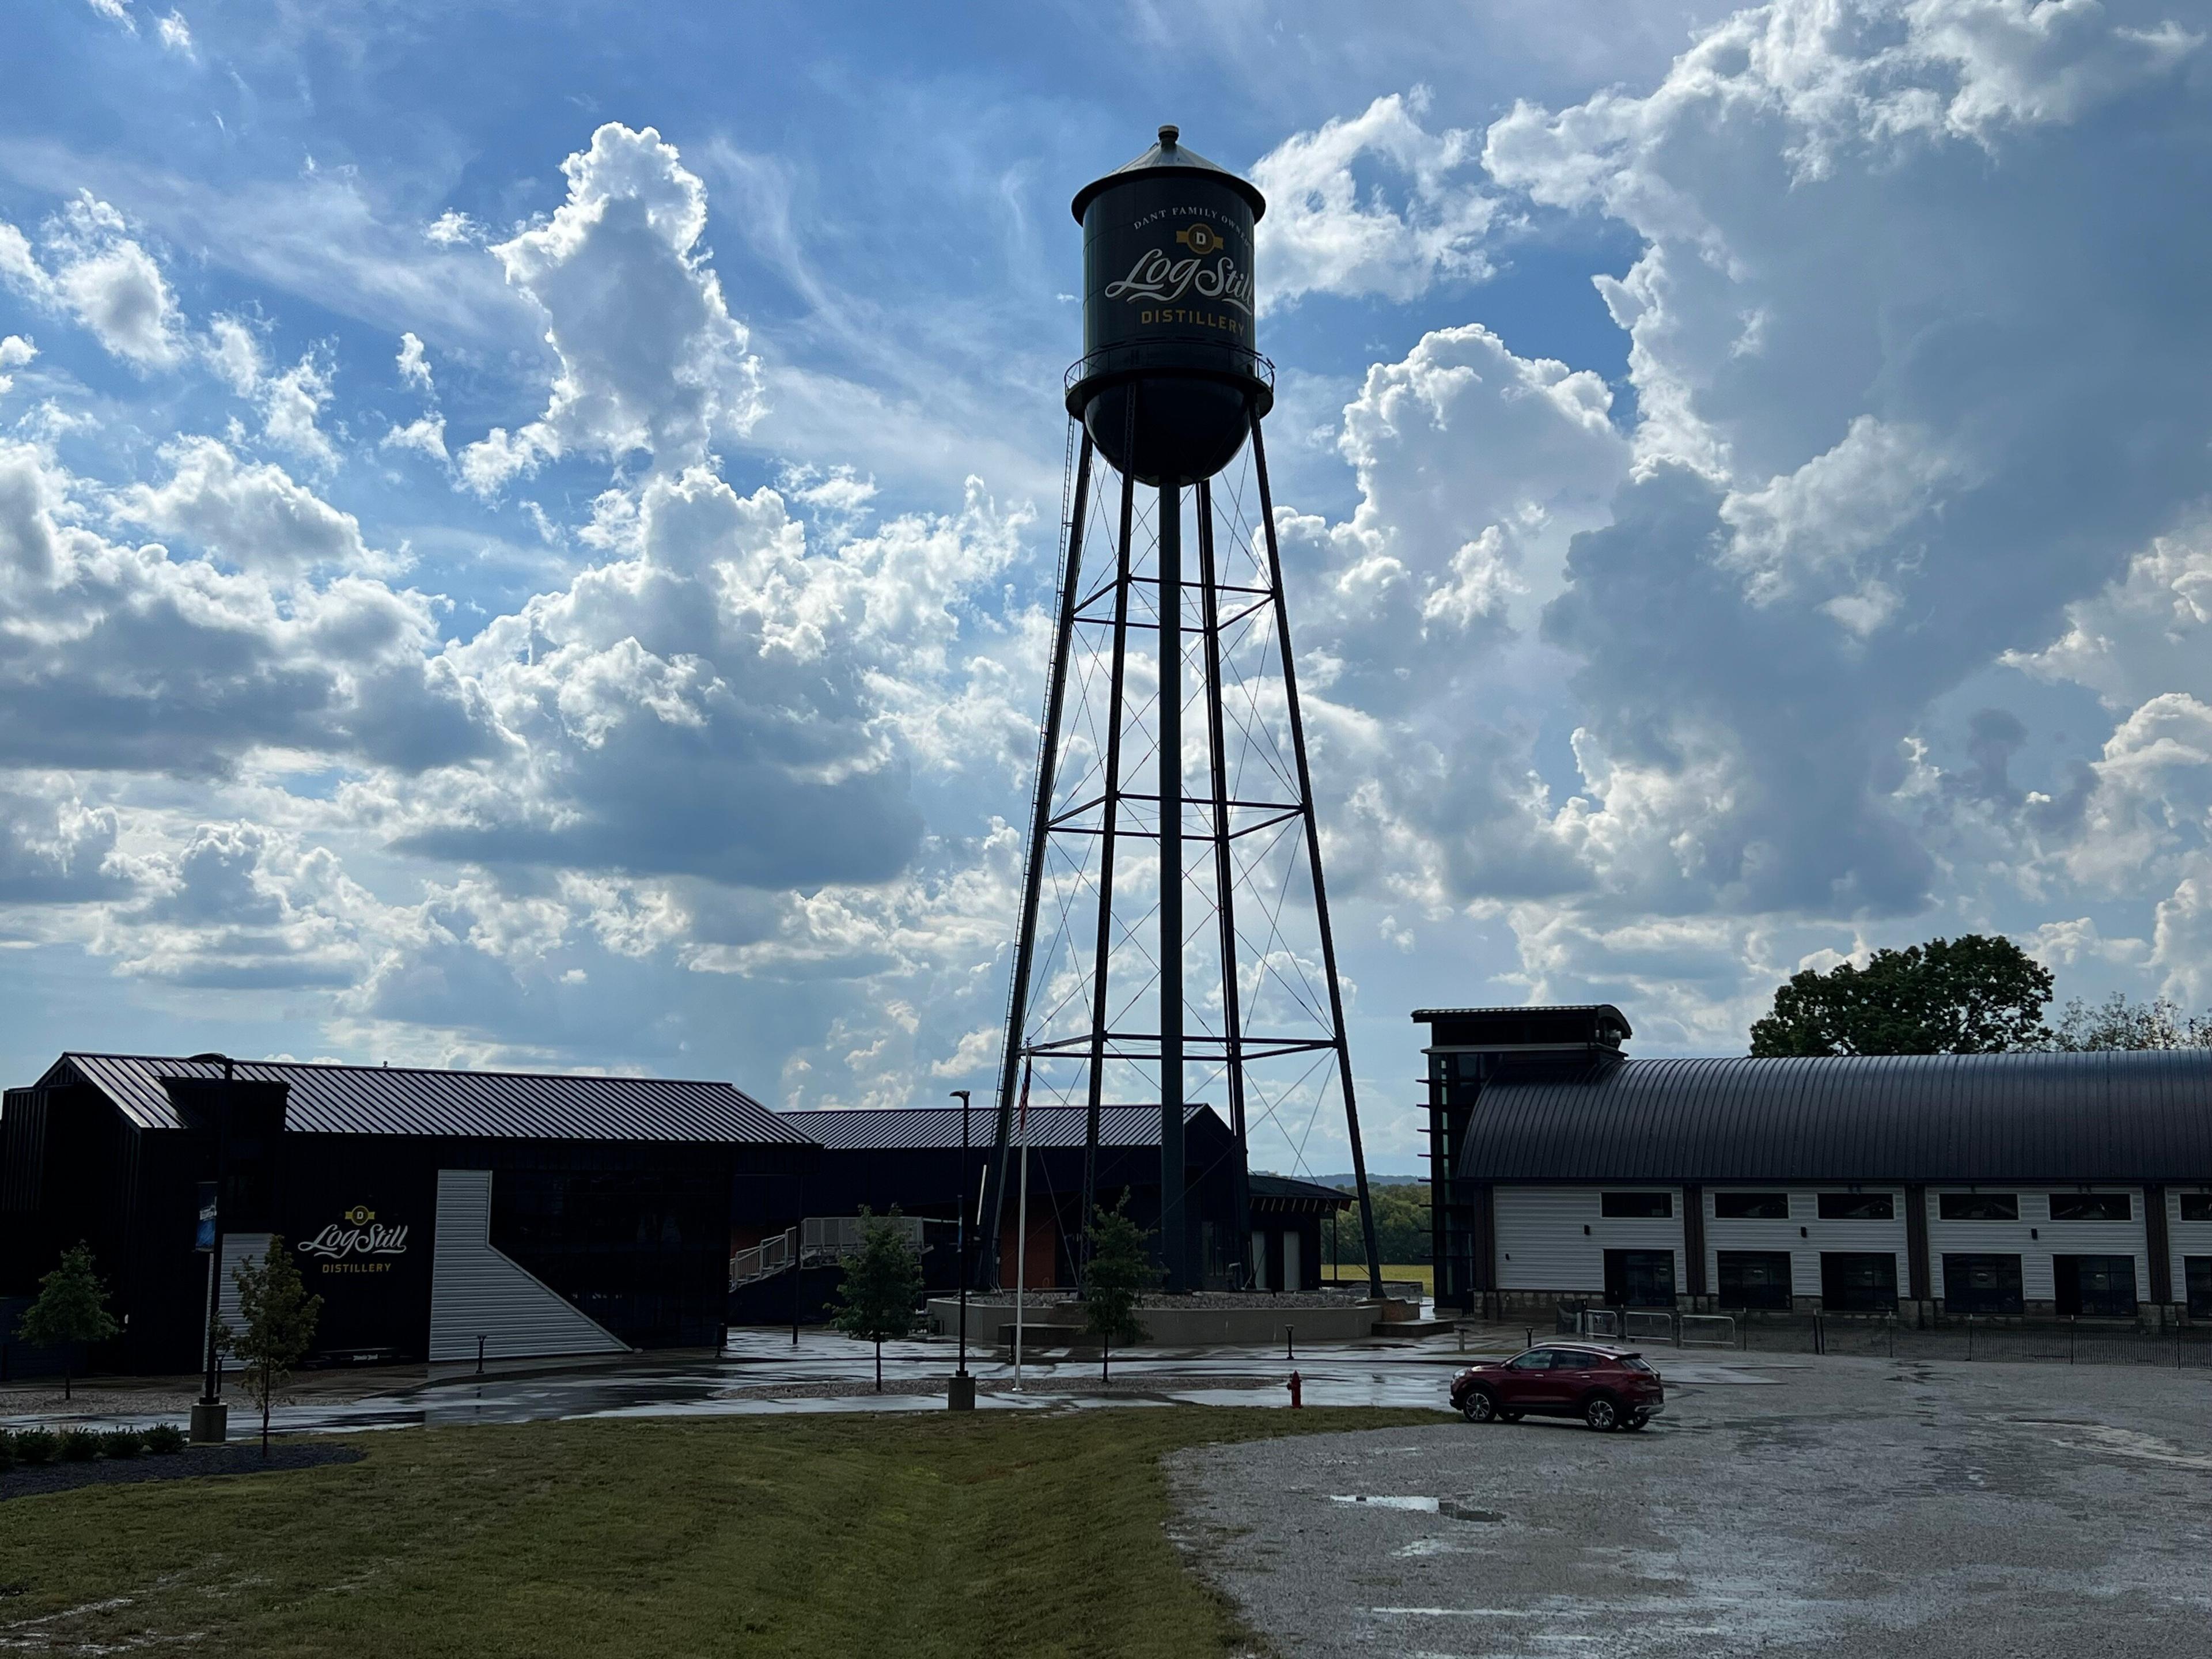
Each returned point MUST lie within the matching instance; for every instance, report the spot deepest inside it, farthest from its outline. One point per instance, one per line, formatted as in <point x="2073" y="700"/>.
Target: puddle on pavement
<point x="1451" y="1509"/>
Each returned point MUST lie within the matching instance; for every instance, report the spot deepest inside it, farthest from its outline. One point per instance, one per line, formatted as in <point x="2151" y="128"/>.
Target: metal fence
<point x="2073" y="1342"/>
<point x="1635" y="1325"/>
<point x="2063" y="1342"/>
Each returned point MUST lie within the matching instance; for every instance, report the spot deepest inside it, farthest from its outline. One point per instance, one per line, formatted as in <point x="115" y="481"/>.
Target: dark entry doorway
<point x="1981" y="1284"/>
<point x="2199" y="1270"/>
<point x="2099" y="1285"/>
<point x="1755" y="1279"/>
<point x="1858" y="1282"/>
<point x="1639" y="1279"/>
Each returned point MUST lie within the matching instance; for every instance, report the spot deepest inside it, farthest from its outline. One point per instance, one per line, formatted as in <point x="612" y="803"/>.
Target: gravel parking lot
<point x="1850" y="1507"/>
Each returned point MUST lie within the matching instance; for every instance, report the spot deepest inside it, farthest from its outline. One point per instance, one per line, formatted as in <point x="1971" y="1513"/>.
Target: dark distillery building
<point x="1925" y="1185"/>
<point x="429" y="1209"/>
<point x="441" y="1213"/>
<point x="911" y="1157"/>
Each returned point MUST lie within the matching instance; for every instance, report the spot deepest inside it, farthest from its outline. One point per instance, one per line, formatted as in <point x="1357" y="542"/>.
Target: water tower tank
<point x="1171" y="375"/>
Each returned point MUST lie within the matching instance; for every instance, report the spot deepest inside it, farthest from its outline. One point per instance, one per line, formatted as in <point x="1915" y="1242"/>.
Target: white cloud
<point x="292" y="403"/>
<point x="176" y="34"/>
<point x="413" y="368"/>
<point x="717" y="701"/>
<point x="1862" y="471"/>
<point x="1329" y="230"/>
<point x="122" y="659"/>
<point x="453" y="228"/>
<point x="425" y="435"/>
<point x="253" y="517"/>
<point x="234" y="354"/>
<point x="94" y="272"/>
<point x="651" y="359"/>
<point x="2142" y="635"/>
<point x="54" y="848"/>
<point x="15" y="350"/>
<point x="115" y="11"/>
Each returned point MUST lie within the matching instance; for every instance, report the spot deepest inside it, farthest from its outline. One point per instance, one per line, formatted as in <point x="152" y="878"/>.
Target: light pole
<point x="961" y="1395"/>
<point x="210" y="1415"/>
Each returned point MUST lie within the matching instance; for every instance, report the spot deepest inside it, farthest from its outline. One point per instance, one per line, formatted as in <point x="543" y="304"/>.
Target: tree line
<point x="1975" y="994"/>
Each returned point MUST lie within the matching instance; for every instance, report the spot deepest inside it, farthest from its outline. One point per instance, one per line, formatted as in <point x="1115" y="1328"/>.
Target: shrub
<point x="7" y="1453"/>
<point x="79" y="1446"/>
<point x="34" y="1446"/>
<point x="122" y="1442"/>
<point x="164" y="1438"/>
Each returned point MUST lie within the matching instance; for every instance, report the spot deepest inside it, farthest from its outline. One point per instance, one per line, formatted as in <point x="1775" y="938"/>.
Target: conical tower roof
<point x="1168" y="157"/>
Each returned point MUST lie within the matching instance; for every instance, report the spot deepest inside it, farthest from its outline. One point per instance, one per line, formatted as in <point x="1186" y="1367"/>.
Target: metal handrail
<point x="1130" y="359"/>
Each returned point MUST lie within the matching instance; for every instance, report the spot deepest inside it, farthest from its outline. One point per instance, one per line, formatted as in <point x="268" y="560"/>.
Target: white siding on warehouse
<point x="2035" y="1238"/>
<point x="239" y="1250"/>
<point x="2186" y="1238"/>
<point x="1541" y="1245"/>
<point x="1859" y="1237"/>
<point x="478" y="1291"/>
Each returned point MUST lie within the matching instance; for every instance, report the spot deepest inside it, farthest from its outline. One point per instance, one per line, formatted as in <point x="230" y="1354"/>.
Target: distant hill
<point x="1346" y="1181"/>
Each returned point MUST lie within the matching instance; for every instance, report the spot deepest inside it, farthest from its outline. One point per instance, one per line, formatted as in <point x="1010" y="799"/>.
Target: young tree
<point x="1970" y="995"/>
<point x="2117" y="1022"/>
<point x="71" y="1309"/>
<point x="874" y="1301"/>
<point x="1120" y="1270"/>
<point x="276" y="1324"/>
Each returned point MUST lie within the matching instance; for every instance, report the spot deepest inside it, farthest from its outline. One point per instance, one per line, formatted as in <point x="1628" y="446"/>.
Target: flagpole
<point x="1022" y="1234"/>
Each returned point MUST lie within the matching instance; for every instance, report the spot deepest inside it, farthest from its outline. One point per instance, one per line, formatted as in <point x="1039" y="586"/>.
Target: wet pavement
<point x="1859" y="1507"/>
<point x="753" y="1361"/>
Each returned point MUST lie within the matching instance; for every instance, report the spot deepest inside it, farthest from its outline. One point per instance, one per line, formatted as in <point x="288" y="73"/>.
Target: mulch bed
<point x="237" y="1457"/>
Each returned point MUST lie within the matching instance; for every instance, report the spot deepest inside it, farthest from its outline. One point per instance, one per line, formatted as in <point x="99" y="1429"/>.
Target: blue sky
<point x="524" y="531"/>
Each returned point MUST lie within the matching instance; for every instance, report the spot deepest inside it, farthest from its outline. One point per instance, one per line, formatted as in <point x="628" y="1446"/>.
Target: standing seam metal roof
<point x="937" y="1128"/>
<point x="1959" y="1118"/>
<point x="379" y="1100"/>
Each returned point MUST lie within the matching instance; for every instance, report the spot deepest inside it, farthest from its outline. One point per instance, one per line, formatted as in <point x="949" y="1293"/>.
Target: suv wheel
<point x="1481" y="1405"/>
<point x="1602" y="1413"/>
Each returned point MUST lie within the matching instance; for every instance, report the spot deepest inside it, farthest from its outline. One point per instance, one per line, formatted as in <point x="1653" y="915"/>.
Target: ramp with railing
<point x="816" y="1241"/>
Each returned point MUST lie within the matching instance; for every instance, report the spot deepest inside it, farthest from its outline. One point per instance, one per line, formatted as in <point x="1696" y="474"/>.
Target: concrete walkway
<point x="762" y="1373"/>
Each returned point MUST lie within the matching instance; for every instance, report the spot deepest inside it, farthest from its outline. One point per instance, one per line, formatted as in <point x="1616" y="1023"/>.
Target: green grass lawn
<point x="1001" y="1533"/>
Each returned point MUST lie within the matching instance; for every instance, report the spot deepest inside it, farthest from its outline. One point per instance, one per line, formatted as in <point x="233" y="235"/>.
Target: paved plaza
<point x="1849" y="1506"/>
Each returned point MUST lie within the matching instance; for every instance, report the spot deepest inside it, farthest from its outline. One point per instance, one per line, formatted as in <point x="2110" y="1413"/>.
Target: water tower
<point x="1122" y="990"/>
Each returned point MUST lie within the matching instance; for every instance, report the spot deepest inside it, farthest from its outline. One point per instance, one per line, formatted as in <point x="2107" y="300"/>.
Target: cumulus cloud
<point x="414" y="366"/>
<point x="252" y="517"/>
<point x="93" y="271"/>
<point x="1863" y="470"/>
<point x="15" y="350"/>
<point x="1331" y="226"/>
<point x="116" y="657"/>
<point x="718" y="701"/>
<point x="291" y="402"/>
<point x="651" y="359"/>
<point x="54" y="848"/>
<point x="238" y="906"/>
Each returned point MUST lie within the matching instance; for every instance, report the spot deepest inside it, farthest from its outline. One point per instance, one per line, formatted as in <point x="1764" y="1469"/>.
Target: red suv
<point x="1607" y="1387"/>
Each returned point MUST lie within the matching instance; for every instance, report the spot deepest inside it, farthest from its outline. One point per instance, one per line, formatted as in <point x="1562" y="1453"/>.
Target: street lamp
<point x="210" y="1414"/>
<point x="961" y="1395"/>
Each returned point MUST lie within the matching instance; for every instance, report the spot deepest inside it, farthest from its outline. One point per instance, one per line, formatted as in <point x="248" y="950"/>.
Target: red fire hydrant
<point x="1297" y="1392"/>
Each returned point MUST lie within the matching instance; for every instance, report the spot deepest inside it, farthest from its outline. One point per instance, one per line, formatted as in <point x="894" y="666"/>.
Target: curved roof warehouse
<point x="2005" y="1184"/>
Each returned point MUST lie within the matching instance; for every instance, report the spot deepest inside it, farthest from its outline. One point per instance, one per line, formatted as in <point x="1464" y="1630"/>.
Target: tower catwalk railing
<point x="1133" y="966"/>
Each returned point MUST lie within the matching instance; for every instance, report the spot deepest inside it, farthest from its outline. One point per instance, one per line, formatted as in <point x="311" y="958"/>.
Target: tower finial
<point x="1169" y="134"/>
